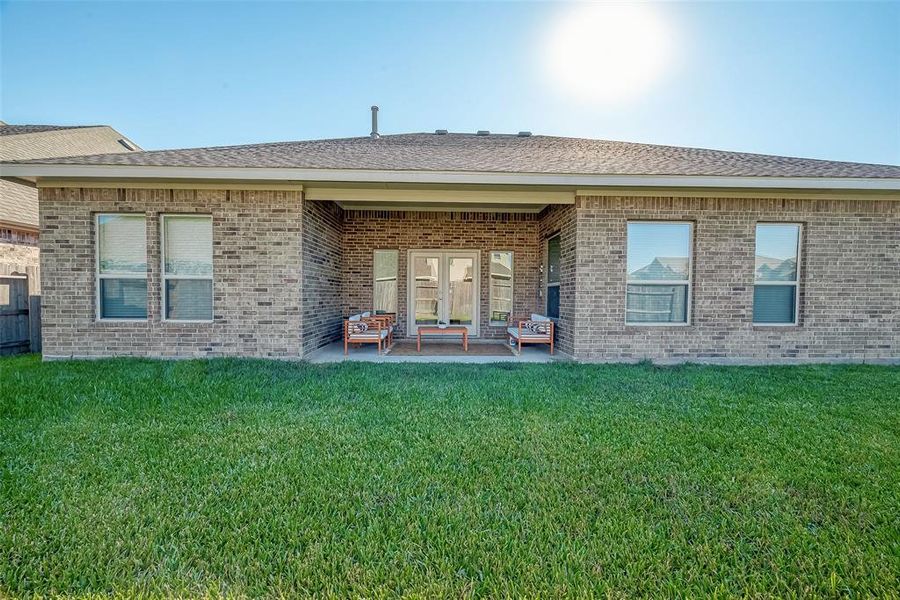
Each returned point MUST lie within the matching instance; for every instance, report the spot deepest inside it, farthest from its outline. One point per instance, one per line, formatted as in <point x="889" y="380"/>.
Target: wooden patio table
<point x="450" y="330"/>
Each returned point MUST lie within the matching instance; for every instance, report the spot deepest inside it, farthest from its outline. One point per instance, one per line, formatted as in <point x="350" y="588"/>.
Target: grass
<point x="239" y="477"/>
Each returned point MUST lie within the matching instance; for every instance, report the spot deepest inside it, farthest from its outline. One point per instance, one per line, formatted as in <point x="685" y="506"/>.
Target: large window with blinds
<point x="187" y="270"/>
<point x="121" y="266"/>
<point x="658" y="286"/>
<point x="777" y="274"/>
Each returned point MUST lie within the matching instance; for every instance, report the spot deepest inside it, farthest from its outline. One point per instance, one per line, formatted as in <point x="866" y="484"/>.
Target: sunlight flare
<point x="607" y="53"/>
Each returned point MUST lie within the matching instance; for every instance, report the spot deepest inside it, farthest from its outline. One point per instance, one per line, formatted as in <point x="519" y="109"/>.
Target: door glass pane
<point x="553" y="301"/>
<point x="553" y="254"/>
<point x="462" y="290"/>
<point x="385" y="286"/>
<point x="425" y="289"/>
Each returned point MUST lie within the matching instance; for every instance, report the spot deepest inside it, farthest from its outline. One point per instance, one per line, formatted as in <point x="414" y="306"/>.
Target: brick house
<point x="637" y="251"/>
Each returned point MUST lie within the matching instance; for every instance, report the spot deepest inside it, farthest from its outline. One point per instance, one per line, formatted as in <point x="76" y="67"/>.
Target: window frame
<point x="98" y="276"/>
<point x="547" y="283"/>
<point x="512" y="284"/>
<point x="164" y="278"/>
<point x="795" y="282"/>
<point x="396" y="281"/>
<point x="689" y="282"/>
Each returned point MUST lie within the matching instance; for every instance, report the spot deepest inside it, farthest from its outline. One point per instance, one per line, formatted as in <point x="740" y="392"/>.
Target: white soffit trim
<point x="31" y="171"/>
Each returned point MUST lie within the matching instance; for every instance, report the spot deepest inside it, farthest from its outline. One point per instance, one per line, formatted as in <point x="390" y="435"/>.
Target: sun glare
<point x="607" y="53"/>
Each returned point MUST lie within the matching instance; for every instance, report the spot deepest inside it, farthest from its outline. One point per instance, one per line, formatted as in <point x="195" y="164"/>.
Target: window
<point x="121" y="266"/>
<point x="501" y="274"/>
<point x="553" y="263"/>
<point x="187" y="267"/>
<point x="777" y="274"/>
<point x="659" y="273"/>
<point x="385" y="287"/>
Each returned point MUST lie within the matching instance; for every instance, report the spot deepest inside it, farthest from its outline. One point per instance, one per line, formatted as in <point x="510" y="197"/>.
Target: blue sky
<point x="804" y="79"/>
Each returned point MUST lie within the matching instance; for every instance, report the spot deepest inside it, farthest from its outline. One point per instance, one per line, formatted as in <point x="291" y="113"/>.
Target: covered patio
<point x="479" y="261"/>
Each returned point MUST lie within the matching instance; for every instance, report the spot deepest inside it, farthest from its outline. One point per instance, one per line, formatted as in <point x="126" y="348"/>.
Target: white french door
<point x="443" y="288"/>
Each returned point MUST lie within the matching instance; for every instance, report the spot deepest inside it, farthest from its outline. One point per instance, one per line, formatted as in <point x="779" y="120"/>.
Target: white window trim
<point x="98" y="275"/>
<point x="512" y="288"/>
<point x="795" y="282"/>
<point x="396" y="279"/>
<point x="164" y="277"/>
<point x="547" y="283"/>
<point x="689" y="282"/>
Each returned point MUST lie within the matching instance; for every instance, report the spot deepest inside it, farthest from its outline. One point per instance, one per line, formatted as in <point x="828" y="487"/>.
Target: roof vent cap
<point x="440" y="132"/>
<point x="482" y="132"/>
<point x="524" y="134"/>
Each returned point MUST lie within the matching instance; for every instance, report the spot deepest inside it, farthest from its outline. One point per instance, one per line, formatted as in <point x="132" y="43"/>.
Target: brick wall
<point x="322" y="258"/>
<point x="366" y="231"/>
<point x="286" y="271"/>
<point x="850" y="281"/>
<point x="256" y="266"/>
<point x="560" y="219"/>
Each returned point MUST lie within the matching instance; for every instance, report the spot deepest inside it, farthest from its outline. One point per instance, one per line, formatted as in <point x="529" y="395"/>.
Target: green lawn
<point x="242" y="477"/>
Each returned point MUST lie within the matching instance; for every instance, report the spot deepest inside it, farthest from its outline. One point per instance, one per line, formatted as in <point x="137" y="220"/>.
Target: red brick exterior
<point x="849" y="281"/>
<point x="256" y="275"/>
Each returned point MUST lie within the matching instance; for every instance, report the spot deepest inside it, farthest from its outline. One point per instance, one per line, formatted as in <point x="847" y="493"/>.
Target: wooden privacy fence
<point x="20" y="316"/>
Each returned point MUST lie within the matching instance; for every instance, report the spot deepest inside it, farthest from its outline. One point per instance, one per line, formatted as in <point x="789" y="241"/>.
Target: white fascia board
<point x="31" y="171"/>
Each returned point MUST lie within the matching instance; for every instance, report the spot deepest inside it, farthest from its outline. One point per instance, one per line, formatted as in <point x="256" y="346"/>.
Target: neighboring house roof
<point x="6" y="129"/>
<point x="18" y="202"/>
<point x="494" y="153"/>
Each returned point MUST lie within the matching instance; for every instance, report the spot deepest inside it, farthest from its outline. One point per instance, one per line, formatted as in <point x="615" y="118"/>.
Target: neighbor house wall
<point x="19" y="254"/>
<point x="849" y="285"/>
<point x="322" y="254"/>
<point x="366" y="231"/>
<point x="256" y="274"/>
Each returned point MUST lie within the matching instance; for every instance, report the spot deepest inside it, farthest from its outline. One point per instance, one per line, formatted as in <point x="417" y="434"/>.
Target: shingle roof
<point x="22" y="129"/>
<point x="492" y="153"/>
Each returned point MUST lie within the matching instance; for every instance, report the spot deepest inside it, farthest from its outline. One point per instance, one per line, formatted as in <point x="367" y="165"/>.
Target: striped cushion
<point x="527" y="334"/>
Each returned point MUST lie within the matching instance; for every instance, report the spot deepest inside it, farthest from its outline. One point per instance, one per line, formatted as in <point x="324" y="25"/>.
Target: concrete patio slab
<point x="334" y="352"/>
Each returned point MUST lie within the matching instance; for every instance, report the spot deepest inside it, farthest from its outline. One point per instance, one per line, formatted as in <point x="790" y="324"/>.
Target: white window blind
<point x="121" y="266"/>
<point x="187" y="267"/>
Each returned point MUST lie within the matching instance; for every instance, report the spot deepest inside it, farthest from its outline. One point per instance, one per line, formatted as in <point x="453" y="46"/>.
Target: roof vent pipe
<point x="374" y="135"/>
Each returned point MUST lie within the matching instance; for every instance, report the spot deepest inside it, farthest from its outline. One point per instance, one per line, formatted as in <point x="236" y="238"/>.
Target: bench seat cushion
<point x="527" y="334"/>
<point x="371" y="334"/>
